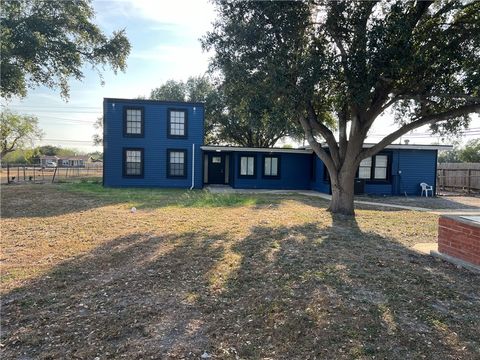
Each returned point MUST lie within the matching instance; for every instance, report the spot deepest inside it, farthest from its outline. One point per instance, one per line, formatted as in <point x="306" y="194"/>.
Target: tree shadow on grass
<point x="337" y="292"/>
<point x="306" y="291"/>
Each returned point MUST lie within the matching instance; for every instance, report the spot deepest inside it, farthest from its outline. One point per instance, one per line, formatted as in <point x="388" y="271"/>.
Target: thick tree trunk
<point x="342" y="194"/>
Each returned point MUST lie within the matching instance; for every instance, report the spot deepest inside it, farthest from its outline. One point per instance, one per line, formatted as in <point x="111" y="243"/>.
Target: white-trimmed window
<point x="381" y="164"/>
<point x="133" y="163"/>
<point x="176" y="163"/>
<point x="247" y="166"/>
<point x="134" y="122"/>
<point x="177" y="121"/>
<point x="270" y="166"/>
<point x="365" y="168"/>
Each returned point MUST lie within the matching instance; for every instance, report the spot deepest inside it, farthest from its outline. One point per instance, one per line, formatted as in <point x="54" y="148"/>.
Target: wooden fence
<point x="37" y="174"/>
<point x="463" y="177"/>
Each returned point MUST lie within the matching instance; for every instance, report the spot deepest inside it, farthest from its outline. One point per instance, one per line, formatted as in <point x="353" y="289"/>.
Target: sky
<point x="165" y="45"/>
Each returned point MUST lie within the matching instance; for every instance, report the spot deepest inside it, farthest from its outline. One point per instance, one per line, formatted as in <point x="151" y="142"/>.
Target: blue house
<point x="151" y="143"/>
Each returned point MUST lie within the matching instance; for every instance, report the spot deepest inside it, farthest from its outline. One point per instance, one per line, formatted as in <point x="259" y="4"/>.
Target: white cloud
<point x="186" y="15"/>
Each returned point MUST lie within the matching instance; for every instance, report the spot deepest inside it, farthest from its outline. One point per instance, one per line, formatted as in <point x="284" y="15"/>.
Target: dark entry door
<point x="216" y="168"/>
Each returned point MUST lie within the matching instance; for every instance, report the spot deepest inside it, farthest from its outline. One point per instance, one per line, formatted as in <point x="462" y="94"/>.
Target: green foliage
<point x="234" y="113"/>
<point x="20" y="156"/>
<point x="17" y="131"/>
<point x="348" y="62"/>
<point x="153" y="198"/>
<point x="471" y="151"/>
<point x="98" y="137"/>
<point x="468" y="153"/>
<point x="195" y="89"/>
<point x="47" y="42"/>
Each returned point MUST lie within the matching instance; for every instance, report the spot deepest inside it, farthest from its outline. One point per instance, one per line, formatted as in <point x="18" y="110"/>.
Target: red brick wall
<point x="459" y="239"/>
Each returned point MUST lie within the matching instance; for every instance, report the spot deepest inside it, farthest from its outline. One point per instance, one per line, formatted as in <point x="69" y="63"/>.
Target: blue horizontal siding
<point x="294" y="172"/>
<point x="417" y="166"/>
<point x="319" y="183"/>
<point x="155" y="144"/>
<point x="408" y="167"/>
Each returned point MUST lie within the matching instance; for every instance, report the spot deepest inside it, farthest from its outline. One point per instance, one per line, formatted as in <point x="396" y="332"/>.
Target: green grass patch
<point x="154" y="198"/>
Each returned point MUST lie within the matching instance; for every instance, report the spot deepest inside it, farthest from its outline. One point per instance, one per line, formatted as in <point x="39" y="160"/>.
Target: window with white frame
<point x="177" y="123"/>
<point x="133" y="162"/>
<point x="176" y="163"/>
<point x="247" y="166"/>
<point x="270" y="167"/>
<point x="380" y="171"/>
<point x="134" y="122"/>
<point x="365" y="168"/>
<point x="374" y="168"/>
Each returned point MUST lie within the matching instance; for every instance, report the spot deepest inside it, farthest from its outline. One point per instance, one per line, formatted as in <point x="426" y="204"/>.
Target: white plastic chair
<point x="426" y="188"/>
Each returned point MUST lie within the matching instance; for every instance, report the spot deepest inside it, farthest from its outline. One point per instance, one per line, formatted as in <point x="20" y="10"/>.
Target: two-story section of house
<point x="149" y="143"/>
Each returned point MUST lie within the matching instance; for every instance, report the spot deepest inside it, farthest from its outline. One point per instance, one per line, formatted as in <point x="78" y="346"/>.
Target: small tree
<point x="471" y="151"/>
<point x="353" y="61"/>
<point x="47" y="42"/>
<point x="98" y="137"/>
<point x="17" y="131"/>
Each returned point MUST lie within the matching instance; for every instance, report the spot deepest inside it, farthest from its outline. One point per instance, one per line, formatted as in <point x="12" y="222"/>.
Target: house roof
<point x="76" y="157"/>
<point x="145" y="101"/>
<point x="48" y="157"/>
<point x="308" y="150"/>
<point x="413" y="146"/>
<point x="254" y="149"/>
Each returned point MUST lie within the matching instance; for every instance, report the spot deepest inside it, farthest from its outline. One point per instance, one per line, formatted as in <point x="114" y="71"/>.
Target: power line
<point x="56" y="106"/>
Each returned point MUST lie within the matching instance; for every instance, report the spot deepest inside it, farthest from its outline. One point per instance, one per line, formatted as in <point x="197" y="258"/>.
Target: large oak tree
<point x="47" y="42"/>
<point x="354" y="60"/>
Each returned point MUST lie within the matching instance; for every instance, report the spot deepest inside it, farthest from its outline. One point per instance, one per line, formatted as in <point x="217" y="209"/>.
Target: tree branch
<point x="429" y="119"/>
<point x="317" y="148"/>
<point x="325" y="132"/>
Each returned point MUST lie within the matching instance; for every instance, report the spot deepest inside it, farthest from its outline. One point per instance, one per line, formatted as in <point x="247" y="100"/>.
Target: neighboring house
<point x="150" y="143"/>
<point x="77" y="161"/>
<point x="48" y="160"/>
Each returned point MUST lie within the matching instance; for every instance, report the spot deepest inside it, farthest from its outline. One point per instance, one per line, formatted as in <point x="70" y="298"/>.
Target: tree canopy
<point x="468" y="153"/>
<point x="17" y="131"/>
<point x="351" y="61"/>
<point x="234" y="114"/>
<point x="48" y="42"/>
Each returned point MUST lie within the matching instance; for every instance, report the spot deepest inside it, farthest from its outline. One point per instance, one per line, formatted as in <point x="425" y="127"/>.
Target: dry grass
<point x="435" y="203"/>
<point x="237" y="276"/>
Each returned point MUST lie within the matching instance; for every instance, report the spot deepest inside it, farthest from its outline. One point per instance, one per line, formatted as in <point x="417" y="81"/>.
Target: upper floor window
<point x="176" y="163"/>
<point x="270" y="166"/>
<point x="374" y="168"/>
<point x="247" y="166"/>
<point x="133" y="163"/>
<point x="133" y="122"/>
<point x="177" y="123"/>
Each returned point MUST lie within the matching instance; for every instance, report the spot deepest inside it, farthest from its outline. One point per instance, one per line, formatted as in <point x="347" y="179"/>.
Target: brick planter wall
<point x="459" y="238"/>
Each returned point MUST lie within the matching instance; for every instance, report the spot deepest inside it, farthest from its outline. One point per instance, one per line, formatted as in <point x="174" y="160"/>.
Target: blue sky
<point x="164" y="37"/>
<point x="165" y="45"/>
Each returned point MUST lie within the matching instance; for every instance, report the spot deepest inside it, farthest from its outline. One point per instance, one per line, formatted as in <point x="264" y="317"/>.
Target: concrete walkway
<point x="312" y="193"/>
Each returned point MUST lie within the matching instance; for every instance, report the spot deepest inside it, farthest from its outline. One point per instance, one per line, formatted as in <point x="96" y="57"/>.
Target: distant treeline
<point x="31" y="156"/>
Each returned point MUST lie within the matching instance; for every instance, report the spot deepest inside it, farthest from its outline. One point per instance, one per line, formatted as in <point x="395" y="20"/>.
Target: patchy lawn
<point x="238" y="276"/>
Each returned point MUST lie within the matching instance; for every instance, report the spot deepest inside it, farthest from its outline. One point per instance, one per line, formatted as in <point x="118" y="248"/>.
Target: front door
<point x="216" y="168"/>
